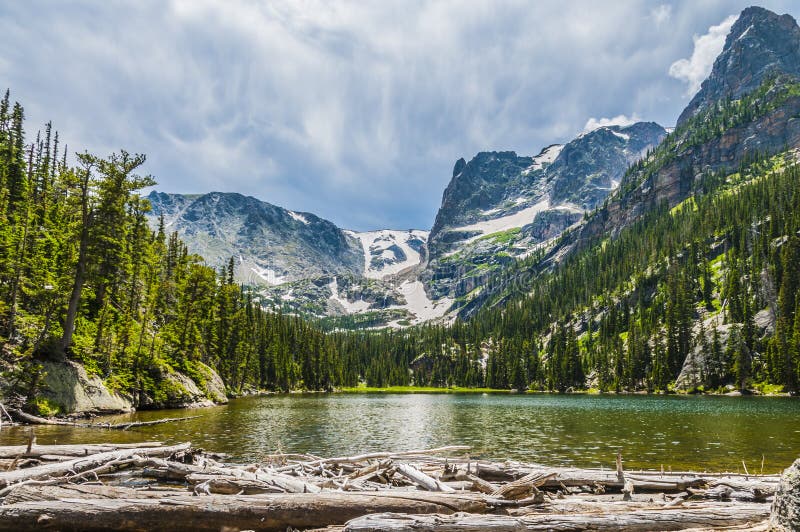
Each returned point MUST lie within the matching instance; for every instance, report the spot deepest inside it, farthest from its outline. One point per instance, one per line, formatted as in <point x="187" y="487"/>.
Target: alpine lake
<point x="705" y="433"/>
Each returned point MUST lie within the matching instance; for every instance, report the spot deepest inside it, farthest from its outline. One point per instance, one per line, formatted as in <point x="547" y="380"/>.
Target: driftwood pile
<point x="150" y="486"/>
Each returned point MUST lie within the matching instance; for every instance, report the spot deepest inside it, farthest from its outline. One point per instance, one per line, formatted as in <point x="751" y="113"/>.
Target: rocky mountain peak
<point x="478" y="184"/>
<point x="760" y="44"/>
<point x="591" y="166"/>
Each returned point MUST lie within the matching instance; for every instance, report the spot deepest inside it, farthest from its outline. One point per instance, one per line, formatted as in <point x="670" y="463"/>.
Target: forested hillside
<point x="83" y="277"/>
<point x="697" y="292"/>
<point x="687" y="277"/>
<point x="713" y="281"/>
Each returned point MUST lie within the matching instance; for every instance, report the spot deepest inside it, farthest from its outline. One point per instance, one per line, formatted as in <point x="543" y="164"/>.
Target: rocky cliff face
<point x="760" y="44"/>
<point x="760" y="61"/>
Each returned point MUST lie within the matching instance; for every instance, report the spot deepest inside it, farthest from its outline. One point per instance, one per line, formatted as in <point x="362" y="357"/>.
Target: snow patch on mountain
<point x="299" y="217"/>
<point x="504" y="223"/>
<point x="420" y="305"/>
<point x="545" y="157"/>
<point x="623" y="136"/>
<point x="351" y="307"/>
<point x="388" y="252"/>
<point x="266" y="274"/>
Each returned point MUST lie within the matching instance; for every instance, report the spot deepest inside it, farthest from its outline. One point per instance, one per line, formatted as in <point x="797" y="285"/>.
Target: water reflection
<point x="714" y="433"/>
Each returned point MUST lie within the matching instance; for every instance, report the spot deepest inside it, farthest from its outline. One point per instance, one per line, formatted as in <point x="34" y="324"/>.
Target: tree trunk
<point x="80" y="272"/>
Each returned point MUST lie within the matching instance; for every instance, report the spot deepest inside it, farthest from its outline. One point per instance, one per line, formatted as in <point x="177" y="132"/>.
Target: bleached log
<point x="421" y="479"/>
<point x="213" y="513"/>
<point x="13" y="451"/>
<point x="33" y="492"/>
<point x="78" y="465"/>
<point x="642" y="520"/>
<point x="169" y="470"/>
<point x="36" y="420"/>
<point x="229" y="485"/>
<point x="523" y="487"/>
<point x="380" y="455"/>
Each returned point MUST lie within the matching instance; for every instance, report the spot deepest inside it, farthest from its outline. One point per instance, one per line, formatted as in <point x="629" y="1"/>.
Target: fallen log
<point x="78" y="465"/>
<point x="36" y="451"/>
<point x="641" y="520"/>
<point x="224" y="485"/>
<point x="523" y="487"/>
<point x="169" y="470"/>
<point x="421" y="479"/>
<point x="213" y="513"/>
<point x="377" y="456"/>
<point x="36" y="420"/>
<point x="29" y="492"/>
<point x="572" y="477"/>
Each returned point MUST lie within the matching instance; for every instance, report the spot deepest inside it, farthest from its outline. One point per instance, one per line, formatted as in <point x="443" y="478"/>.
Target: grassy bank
<point x="363" y="388"/>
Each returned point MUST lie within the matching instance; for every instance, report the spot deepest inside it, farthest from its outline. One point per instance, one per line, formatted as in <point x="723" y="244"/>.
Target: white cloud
<point x="661" y="14"/>
<point x="353" y="110"/>
<point x="619" y="120"/>
<point x="706" y="49"/>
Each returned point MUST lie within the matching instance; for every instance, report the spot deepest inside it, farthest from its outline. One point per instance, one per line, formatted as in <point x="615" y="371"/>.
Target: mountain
<point x="500" y="207"/>
<point x="714" y="135"/>
<point x="688" y="275"/>
<point x="301" y="263"/>
<point x="502" y="212"/>
<point x="270" y="245"/>
<point x="497" y="208"/>
<point x="760" y="45"/>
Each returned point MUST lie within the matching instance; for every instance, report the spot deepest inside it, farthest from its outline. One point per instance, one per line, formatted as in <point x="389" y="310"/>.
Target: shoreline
<point x="498" y="391"/>
<point x="185" y="488"/>
<point x="410" y="390"/>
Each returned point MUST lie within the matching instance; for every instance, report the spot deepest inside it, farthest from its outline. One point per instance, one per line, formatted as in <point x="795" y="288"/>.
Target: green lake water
<point x="700" y="433"/>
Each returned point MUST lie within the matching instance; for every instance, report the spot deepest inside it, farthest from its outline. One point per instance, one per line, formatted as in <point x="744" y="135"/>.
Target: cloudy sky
<point x="355" y="111"/>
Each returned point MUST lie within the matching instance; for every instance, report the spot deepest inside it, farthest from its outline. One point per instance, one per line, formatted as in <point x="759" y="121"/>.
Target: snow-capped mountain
<point x="497" y="208"/>
<point x="500" y="206"/>
<point x="270" y="245"/>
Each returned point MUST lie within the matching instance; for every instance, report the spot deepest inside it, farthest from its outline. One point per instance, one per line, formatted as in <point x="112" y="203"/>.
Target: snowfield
<point x="547" y="156"/>
<point x="352" y="307"/>
<point x="268" y="275"/>
<point x="419" y="304"/>
<point x="623" y="136"/>
<point x="299" y="217"/>
<point x="504" y="223"/>
<point x="378" y="244"/>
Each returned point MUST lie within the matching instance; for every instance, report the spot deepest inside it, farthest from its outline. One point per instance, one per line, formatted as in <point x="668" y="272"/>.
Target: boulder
<point x="785" y="515"/>
<point x="213" y="386"/>
<point x="67" y="385"/>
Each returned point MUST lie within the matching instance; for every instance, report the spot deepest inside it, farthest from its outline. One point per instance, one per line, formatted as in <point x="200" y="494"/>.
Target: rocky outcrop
<point x="589" y="168"/>
<point x="478" y="185"/>
<point x="760" y="44"/>
<point x="67" y="386"/>
<point x="785" y="515"/>
<point x="211" y="384"/>
<point x="173" y="389"/>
